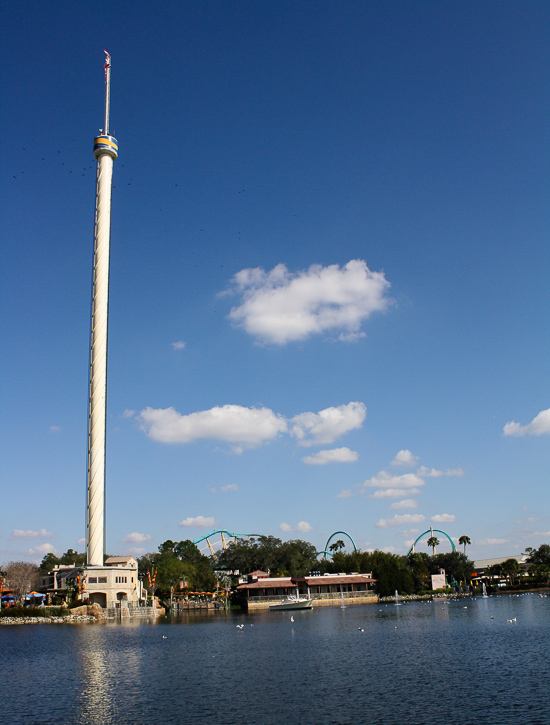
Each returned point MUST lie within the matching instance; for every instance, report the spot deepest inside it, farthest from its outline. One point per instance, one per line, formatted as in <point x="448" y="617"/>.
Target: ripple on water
<point x="415" y="663"/>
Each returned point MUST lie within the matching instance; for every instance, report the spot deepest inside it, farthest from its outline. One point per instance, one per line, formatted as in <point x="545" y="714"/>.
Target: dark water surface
<point x="416" y="663"/>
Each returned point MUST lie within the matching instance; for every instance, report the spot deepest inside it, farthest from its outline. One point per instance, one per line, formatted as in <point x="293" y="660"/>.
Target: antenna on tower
<point x="107" y="69"/>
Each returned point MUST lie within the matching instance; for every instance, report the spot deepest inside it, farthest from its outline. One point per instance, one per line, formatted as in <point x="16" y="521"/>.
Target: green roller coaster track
<point x="223" y="533"/>
<point x="326" y="551"/>
<point x="432" y="532"/>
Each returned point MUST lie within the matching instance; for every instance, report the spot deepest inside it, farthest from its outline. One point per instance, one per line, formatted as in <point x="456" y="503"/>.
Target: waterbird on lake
<point x="291" y="618"/>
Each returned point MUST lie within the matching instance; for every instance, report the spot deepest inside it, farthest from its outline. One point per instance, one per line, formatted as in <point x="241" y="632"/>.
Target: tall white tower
<point x="105" y="151"/>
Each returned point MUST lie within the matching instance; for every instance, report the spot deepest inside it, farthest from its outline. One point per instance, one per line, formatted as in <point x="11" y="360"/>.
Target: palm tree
<point x="337" y="545"/>
<point x="466" y="541"/>
<point x="433" y="541"/>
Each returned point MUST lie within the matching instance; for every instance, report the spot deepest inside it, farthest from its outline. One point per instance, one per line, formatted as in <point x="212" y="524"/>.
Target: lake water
<point x="457" y="662"/>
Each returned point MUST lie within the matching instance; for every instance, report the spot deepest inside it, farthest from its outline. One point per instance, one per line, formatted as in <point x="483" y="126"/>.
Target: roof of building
<point x="120" y="560"/>
<point x="484" y="563"/>
<point x="68" y="573"/>
<point x="259" y="573"/>
<point x="269" y="583"/>
<point x="278" y="582"/>
<point x="338" y="579"/>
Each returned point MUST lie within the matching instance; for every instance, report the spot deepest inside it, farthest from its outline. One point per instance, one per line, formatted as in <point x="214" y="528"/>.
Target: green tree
<point x="464" y="540"/>
<point x="418" y="564"/>
<point x="297" y="558"/>
<point x="170" y="573"/>
<point x="48" y="562"/>
<point x="457" y="566"/>
<point x="390" y="571"/>
<point x="177" y="561"/>
<point x="540" y="555"/>
<point x="511" y="568"/>
<point x="433" y="541"/>
<point x="71" y="557"/>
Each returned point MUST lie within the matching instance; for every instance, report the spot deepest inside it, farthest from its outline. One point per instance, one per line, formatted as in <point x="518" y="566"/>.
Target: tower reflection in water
<point x="105" y="669"/>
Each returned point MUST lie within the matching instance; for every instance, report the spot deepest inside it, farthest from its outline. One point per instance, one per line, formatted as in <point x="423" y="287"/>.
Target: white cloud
<point x="336" y="455"/>
<point x="232" y="423"/>
<point x="404" y="458"/>
<point x="230" y="487"/>
<point x="541" y="533"/>
<point x="136" y="538"/>
<point x="302" y="527"/>
<point x="198" y="521"/>
<point x="81" y="542"/>
<point x="249" y="427"/>
<point x="387" y="480"/>
<point x="42" y="550"/>
<point x="490" y="542"/>
<point x="179" y="345"/>
<point x="327" y="425"/>
<point x="530" y="520"/>
<point x="400" y="519"/>
<point x="407" y="503"/>
<point x="443" y="518"/>
<point x="389" y="550"/>
<point x="136" y="550"/>
<point x="394" y="492"/>
<point x="278" y="306"/>
<point x="128" y="413"/>
<point x="434" y="473"/>
<point x="345" y="493"/>
<point x="540" y="425"/>
<point x="30" y="535"/>
<point x="351" y="336"/>
<point x="54" y="429"/>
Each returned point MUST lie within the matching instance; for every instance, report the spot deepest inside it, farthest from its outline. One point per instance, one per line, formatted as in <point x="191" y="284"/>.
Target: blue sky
<point x="329" y="304"/>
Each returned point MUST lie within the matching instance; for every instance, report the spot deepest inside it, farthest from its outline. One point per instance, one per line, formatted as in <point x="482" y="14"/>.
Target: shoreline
<point x="70" y="619"/>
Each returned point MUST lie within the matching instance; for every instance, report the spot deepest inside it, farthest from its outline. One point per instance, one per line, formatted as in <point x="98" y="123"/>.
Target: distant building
<point x="327" y="590"/>
<point x="482" y="565"/>
<point x="483" y="571"/>
<point x="113" y="585"/>
<point x="59" y="581"/>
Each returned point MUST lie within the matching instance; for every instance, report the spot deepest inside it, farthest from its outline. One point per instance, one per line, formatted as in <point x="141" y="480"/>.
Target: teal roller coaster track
<point x="431" y="532"/>
<point x="223" y="533"/>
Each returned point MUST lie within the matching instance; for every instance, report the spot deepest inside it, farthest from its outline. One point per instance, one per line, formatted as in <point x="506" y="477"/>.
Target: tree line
<point x="180" y="566"/>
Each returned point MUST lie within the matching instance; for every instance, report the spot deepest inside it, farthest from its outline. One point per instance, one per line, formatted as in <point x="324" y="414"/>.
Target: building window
<point x="92" y="580"/>
<point x="102" y="580"/>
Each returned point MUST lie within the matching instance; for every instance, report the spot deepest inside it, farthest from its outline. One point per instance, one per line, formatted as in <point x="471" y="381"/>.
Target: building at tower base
<point x="113" y="585"/>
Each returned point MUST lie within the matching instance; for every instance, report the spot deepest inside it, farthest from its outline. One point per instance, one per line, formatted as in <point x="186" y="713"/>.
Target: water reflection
<point x="377" y="663"/>
<point x="103" y="668"/>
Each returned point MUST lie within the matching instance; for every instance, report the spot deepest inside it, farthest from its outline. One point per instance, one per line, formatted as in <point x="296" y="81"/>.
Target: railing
<point x="133" y="610"/>
<point x="347" y="595"/>
<point x="320" y="595"/>
<point x="274" y="598"/>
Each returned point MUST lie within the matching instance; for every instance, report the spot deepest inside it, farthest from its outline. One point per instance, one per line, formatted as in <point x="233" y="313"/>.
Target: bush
<point x="78" y="603"/>
<point x="21" y="612"/>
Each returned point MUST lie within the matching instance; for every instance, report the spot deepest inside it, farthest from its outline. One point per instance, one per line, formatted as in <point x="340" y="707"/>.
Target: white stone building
<point x="115" y="584"/>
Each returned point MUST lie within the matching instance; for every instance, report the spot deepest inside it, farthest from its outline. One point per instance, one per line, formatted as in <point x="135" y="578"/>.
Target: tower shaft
<point x="105" y="151"/>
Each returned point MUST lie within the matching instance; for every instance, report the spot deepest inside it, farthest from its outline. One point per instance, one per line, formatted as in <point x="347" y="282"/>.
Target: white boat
<point x="292" y="602"/>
